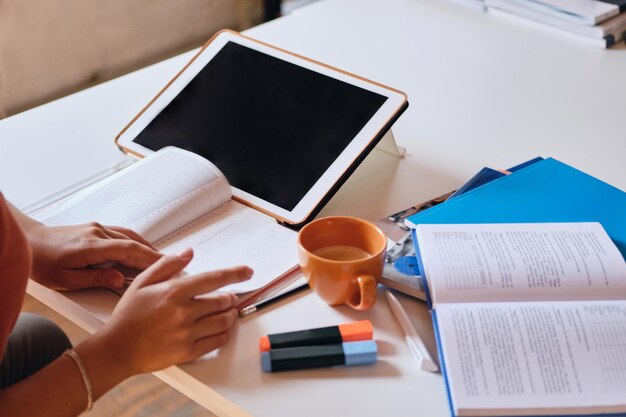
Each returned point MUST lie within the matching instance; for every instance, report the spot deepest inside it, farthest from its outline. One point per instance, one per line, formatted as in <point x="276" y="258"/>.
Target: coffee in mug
<point x="342" y="253"/>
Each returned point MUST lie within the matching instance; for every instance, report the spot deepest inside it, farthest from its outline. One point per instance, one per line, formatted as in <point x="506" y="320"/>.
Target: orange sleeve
<point x="15" y="261"/>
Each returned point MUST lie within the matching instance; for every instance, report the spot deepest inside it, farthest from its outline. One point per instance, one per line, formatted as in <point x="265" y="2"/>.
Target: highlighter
<point x="332" y="335"/>
<point x="303" y="357"/>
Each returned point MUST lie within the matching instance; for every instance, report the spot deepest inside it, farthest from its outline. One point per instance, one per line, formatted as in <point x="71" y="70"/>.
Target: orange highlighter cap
<point x="359" y="330"/>
<point x="264" y="344"/>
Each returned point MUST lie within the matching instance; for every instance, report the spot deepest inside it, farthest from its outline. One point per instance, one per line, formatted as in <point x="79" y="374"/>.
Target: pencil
<point x="412" y="337"/>
<point x="260" y="306"/>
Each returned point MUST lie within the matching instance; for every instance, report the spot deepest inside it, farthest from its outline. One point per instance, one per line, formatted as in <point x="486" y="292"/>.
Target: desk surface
<point x="482" y="92"/>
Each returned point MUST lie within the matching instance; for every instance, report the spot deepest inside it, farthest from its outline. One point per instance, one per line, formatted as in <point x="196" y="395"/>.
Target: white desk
<point x="481" y="91"/>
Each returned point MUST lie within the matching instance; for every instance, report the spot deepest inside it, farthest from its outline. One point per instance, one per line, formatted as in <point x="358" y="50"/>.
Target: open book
<point x="177" y="199"/>
<point x="530" y="318"/>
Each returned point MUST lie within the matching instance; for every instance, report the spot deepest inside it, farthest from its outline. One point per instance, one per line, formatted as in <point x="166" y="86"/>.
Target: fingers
<point x="87" y="278"/>
<point x="214" y="324"/>
<point x="112" y="234"/>
<point x="164" y="268"/>
<point x="128" y="233"/>
<point x="117" y="232"/>
<point x="213" y="280"/>
<point x="208" y="344"/>
<point x="125" y="251"/>
<point x="213" y="303"/>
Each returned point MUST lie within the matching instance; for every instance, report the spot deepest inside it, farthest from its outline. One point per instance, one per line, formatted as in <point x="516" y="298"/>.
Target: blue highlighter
<point x="303" y="357"/>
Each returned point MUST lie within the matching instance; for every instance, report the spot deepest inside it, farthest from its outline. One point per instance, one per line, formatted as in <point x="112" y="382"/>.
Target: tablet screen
<point x="272" y="127"/>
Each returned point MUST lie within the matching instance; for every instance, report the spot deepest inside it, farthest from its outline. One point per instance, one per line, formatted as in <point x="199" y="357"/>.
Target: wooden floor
<point x="140" y="396"/>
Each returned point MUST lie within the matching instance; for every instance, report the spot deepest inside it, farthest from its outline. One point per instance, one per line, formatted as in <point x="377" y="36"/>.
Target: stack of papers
<point x="600" y="23"/>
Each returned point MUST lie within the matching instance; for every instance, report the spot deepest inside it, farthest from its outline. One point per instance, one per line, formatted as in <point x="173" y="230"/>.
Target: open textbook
<point x="176" y="199"/>
<point x="530" y="318"/>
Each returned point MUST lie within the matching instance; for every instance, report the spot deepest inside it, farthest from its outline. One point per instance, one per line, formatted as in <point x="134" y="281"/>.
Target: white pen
<point x="413" y="339"/>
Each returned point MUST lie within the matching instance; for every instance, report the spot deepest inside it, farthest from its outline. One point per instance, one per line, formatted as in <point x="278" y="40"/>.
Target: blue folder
<point x="546" y="191"/>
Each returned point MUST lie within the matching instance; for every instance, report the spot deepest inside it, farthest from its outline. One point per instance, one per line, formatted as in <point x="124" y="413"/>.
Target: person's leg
<point x="34" y="342"/>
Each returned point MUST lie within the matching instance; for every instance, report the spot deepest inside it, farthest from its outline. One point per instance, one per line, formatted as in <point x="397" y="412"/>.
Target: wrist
<point x="33" y="230"/>
<point x="104" y="365"/>
<point x="27" y="224"/>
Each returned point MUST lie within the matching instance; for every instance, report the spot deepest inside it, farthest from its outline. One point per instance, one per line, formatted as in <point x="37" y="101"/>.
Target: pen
<point x="259" y="306"/>
<point x="413" y="339"/>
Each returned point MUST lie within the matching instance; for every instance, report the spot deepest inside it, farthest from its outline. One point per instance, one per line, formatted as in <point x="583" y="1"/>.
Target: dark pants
<point x="34" y="342"/>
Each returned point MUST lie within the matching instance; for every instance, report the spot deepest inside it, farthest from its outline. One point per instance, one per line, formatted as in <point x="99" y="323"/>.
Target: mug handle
<point x="367" y="291"/>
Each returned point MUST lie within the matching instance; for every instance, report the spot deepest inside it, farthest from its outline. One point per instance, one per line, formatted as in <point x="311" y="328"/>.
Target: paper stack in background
<point x="593" y="22"/>
<point x="599" y="23"/>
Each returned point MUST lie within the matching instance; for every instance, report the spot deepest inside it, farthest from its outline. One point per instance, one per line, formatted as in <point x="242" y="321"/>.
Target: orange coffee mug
<point x="342" y="258"/>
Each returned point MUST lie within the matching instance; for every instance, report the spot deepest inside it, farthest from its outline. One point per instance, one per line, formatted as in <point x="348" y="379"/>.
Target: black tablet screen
<point x="272" y="127"/>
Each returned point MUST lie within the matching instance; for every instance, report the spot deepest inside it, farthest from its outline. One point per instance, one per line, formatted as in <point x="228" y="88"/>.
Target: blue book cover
<point x="546" y="191"/>
<point x="483" y="176"/>
<point x="487" y="175"/>
<point x="525" y="164"/>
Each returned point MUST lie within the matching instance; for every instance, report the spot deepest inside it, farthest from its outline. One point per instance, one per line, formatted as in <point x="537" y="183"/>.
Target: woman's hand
<point x="62" y="255"/>
<point x="160" y="321"/>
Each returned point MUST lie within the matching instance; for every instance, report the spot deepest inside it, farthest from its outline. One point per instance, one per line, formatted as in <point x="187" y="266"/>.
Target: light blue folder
<point x="546" y="191"/>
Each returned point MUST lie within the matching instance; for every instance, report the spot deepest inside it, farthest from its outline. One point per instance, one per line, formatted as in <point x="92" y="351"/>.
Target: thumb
<point x="100" y="277"/>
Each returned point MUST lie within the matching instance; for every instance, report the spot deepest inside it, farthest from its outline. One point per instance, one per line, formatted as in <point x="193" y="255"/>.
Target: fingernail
<point x="249" y="272"/>
<point x="185" y="254"/>
<point x="234" y="299"/>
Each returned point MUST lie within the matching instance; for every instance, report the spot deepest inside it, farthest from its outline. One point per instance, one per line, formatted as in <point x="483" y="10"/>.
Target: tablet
<point x="285" y="130"/>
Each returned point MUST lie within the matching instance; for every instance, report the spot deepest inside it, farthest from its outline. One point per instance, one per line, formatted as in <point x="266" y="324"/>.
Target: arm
<point x="58" y="389"/>
<point x="177" y="328"/>
<point x="62" y="255"/>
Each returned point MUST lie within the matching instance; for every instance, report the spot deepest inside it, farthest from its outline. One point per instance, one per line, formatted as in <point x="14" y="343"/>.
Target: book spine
<point x="442" y="362"/>
<point x="420" y="265"/>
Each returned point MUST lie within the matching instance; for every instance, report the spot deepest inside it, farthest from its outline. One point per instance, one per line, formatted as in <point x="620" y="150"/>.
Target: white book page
<point x="155" y="196"/>
<point x="234" y="235"/>
<point x="521" y="262"/>
<point x="534" y="358"/>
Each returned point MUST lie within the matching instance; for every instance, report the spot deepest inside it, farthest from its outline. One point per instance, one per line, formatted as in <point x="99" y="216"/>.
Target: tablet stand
<point x="388" y="145"/>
